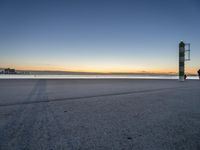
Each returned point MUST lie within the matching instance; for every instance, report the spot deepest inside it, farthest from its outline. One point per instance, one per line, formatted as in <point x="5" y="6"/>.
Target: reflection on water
<point x="17" y="76"/>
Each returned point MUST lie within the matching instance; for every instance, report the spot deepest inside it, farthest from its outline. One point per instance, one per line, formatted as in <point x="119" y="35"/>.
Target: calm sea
<point x="17" y="76"/>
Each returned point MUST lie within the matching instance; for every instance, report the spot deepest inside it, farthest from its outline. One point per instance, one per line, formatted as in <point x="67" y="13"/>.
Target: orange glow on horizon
<point x="97" y="70"/>
<point x="100" y="69"/>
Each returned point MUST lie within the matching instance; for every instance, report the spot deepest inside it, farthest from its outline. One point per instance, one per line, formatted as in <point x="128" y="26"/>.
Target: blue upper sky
<point x="98" y="35"/>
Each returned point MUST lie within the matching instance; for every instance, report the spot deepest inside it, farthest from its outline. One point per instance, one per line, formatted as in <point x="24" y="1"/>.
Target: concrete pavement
<point x="99" y="114"/>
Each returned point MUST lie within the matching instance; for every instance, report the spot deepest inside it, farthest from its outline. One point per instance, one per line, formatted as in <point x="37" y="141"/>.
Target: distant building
<point x="9" y="71"/>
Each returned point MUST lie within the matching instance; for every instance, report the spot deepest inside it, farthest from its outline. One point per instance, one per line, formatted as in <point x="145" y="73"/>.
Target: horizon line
<point x="98" y="72"/>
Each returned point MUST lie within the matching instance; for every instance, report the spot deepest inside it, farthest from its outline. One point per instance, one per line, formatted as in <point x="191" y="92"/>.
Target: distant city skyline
<point x="98" y="35"/>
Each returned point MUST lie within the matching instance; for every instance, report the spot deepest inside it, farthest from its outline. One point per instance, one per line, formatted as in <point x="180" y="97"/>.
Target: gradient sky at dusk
<point x="98" y="35"/>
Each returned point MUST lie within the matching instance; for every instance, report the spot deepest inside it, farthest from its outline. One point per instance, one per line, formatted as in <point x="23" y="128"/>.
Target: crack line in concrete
<point x="85" y="97"/>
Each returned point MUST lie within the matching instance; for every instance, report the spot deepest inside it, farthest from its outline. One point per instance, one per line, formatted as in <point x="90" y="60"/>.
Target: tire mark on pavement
<point x="10" y="132"/>
<point x="24" y="135"/>
<point x="34" y="126"/>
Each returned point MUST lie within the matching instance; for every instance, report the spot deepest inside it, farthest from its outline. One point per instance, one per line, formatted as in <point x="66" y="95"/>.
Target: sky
<point x="98" y="35"/>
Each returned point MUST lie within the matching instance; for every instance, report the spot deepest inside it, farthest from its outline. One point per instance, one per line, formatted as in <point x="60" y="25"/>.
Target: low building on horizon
<point x="9" y="71"/>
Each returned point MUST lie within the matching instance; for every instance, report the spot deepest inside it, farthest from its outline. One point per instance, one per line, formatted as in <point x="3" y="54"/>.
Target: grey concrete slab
<point x="99" y="114"/>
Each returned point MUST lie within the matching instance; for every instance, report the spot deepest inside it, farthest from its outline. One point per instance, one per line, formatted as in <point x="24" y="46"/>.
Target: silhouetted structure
<point x="183" y="48"/>
<point x="198" y="73"/>
<point x="181" y="61"/>
<point x="185" y="77"/>
<point x="9" y="71"/>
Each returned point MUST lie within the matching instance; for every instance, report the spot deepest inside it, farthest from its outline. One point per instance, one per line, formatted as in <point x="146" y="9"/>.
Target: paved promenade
<point x="102" y="114"/>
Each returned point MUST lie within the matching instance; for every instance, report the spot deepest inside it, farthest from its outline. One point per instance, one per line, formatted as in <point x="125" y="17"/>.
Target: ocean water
<point x="19" y="76"/>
